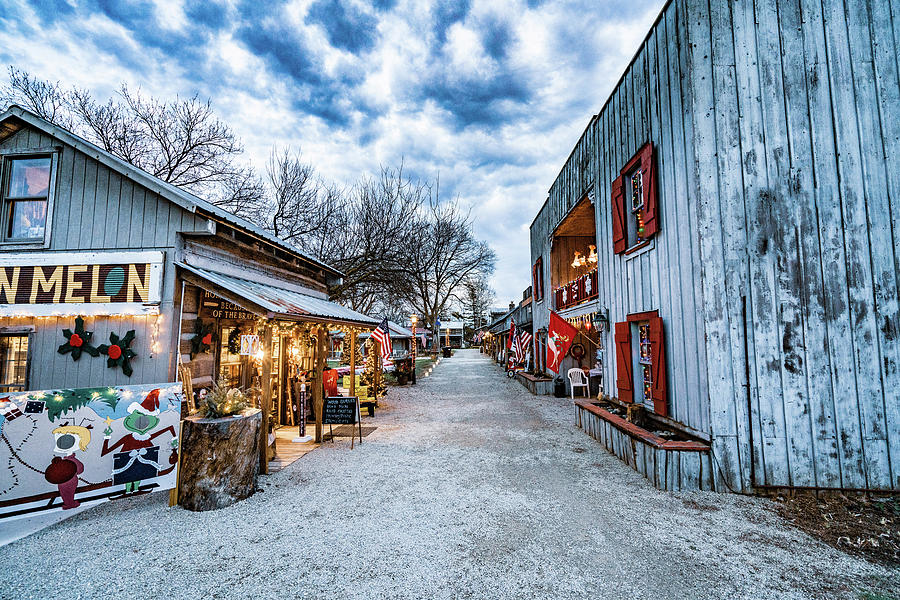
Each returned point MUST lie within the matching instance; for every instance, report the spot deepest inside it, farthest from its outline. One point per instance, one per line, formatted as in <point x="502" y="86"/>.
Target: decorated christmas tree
<point x="372" y="364"/>
<point x="345" y="350"/>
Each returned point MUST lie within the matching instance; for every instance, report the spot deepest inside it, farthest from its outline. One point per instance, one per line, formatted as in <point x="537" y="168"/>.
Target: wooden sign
<point x="215" y="307"/>
<point x="51" y="283"/>
<point x="340" y="410"/>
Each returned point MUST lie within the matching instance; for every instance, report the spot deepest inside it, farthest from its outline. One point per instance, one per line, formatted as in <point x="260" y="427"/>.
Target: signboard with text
<point x="51" y="283"/>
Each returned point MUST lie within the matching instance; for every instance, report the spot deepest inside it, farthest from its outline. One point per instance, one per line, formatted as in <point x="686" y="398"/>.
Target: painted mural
<point x="68" y="448"/>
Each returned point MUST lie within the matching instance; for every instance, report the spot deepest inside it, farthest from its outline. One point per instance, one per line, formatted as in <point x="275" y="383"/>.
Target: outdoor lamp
<point x="601" y="318"/>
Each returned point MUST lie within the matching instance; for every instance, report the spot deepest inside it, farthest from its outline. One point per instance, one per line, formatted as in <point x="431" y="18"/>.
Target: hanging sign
<point x="214" y="307"/>
<point x="249" y="345"/>
<point x="84" y="283"/>
<point x="72" y="448"/>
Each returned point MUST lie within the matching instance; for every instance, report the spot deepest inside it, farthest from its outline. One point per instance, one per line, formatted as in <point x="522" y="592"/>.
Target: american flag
<point x="522" y="342"/>
<point x="383" y="335"/>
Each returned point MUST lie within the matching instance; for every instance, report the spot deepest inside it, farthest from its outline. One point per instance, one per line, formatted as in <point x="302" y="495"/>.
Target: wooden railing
<point x="577" y="291"/>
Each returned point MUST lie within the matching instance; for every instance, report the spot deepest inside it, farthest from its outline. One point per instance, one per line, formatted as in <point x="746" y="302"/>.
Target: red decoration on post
<point x="114" y="351"/>
<point x="207" y="339"/>
<point x="75" y="341"/>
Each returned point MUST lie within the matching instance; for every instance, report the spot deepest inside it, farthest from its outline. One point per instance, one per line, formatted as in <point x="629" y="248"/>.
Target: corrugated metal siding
<point x="797" y="125"/>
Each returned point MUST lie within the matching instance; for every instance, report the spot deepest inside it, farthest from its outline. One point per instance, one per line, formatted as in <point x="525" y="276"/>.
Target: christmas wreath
<point x="118" y="352"/>
<point x="234" y="341"/>
<point x="202" y="339"/>
<point x="78" y="341"/>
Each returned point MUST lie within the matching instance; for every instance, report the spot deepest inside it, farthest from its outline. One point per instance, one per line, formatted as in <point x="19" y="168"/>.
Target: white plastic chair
<point x="577" y="378"/>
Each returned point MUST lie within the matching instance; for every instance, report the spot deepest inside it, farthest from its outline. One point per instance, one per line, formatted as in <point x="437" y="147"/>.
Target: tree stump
<point x="219" y="460"/>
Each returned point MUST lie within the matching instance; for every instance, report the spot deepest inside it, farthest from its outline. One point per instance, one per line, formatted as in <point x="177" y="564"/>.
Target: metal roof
<point x="171" y="192"/>
<point x="275" y="302"/>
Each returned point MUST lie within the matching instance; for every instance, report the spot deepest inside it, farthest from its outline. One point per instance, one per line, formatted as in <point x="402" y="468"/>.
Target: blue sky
<point x="490" y="96"/>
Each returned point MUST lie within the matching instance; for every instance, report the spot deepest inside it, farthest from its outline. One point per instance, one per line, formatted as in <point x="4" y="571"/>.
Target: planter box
<point x="220" y="460"/>
<point x="668" y="464"/>
<point x="539" y="386"/>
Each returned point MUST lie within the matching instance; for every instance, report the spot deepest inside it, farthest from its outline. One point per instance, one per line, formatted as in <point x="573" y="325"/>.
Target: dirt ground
<point x="865" y="527"/>
<point x="469" y="488"/>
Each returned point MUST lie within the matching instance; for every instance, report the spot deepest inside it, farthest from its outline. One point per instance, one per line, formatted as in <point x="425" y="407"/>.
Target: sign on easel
<point x="342" y="410"/>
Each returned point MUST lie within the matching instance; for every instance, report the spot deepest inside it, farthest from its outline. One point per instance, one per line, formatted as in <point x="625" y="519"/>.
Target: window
<point x="537" y="280"/>
<point x="641" y="369"/>
<point x="26" y="194"/>
<point x="634" y="202"/>
<point x="13" y="363"/>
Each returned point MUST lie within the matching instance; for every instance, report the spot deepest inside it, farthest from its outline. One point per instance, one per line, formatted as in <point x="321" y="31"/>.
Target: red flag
<point x="512" y="334"/>
<point x="560" y="336"/>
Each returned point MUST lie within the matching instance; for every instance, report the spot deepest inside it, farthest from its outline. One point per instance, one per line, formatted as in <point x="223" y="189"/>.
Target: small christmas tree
<point x="372" y="363"/>
<point x="345" y="350"/>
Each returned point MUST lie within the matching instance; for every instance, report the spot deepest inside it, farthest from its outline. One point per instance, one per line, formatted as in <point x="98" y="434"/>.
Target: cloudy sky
<point x="491" y="96"/>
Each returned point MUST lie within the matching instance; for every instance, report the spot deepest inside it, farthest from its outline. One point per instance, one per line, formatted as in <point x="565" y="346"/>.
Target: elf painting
<point x="50" y="458"/>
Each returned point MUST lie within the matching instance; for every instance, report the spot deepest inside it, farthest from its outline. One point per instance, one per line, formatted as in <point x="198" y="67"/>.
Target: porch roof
<point x="273" y="302"/>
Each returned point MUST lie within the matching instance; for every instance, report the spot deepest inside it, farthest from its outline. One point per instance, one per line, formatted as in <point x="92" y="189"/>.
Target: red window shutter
<point x="658" y="359"/>
<point x="624" y="378"/>
<point x="651" y="204"/>
<point x="618" y="217"/>
<point x="540" y="276"/>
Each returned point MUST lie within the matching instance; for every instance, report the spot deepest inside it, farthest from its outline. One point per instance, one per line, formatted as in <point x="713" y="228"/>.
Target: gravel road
<point x="469" y="488"/>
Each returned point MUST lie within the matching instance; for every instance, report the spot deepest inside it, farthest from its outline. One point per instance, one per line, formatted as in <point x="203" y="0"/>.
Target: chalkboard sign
<point x="340" y="410"/>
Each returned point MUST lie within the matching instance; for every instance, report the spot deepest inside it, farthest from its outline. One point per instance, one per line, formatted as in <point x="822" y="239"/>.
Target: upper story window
<point x="635" y="206"/>
<point x="26" y="197"/>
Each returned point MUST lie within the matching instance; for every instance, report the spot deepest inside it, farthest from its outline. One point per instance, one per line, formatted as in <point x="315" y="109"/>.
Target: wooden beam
<point x="319" y="389"/>
<point x="265" y="400"/>
<point x="352" y="335"/>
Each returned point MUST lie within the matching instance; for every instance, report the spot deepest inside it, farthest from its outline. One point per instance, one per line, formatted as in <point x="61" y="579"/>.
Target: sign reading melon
<point x="51" y="283"/>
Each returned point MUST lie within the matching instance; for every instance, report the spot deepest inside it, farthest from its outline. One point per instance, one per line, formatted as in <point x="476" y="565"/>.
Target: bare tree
<point x="180" y="141"/>
<point x="47" y="100"/>
<point x="376" y="227"/>
<point x="445" y="255"/>
<point x="476" y="300"/>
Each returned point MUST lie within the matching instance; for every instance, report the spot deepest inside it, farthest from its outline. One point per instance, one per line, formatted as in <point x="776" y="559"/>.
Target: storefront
<point x="111" y="277"/>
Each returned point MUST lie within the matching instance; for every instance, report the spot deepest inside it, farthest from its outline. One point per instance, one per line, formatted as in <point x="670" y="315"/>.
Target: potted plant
<point x="220" y="450"/>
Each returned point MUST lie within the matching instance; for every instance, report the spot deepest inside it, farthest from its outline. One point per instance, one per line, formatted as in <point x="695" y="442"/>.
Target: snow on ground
<point x="470" y="488"/>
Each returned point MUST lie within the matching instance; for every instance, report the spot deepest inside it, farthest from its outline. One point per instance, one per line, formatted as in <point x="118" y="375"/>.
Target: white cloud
<point x="496" y="125"/>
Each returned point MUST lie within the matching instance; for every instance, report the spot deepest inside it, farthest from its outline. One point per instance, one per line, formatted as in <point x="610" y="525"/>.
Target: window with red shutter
<point x="635" y="202"/>
<point x="620" y="242"/>
<point x="537" y="280"/>
<point x="658" y="360"/>
<point x="624" y="378"/>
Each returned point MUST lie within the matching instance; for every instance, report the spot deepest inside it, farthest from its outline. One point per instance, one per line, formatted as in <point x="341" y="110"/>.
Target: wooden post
<point x="319" y="391"/>
<point x="378" y="363"/>
<point x="352" y="335"/>
<point x="265" y="401"/>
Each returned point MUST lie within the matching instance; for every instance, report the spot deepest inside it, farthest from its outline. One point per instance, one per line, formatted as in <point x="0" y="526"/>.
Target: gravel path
<point x="470" y="488"/>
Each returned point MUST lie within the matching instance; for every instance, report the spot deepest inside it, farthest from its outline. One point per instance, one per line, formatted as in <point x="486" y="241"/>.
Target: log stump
<point x="219" y="460"/>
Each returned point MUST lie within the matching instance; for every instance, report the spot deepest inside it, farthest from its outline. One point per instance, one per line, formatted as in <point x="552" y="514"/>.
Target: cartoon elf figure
<point x="138" y="458"/>
<point x="65" y="468"/>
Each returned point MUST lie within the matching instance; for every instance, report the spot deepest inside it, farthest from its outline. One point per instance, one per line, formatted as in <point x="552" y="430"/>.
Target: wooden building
<point x="86" y="235"/>
<point x="739" y="191"/>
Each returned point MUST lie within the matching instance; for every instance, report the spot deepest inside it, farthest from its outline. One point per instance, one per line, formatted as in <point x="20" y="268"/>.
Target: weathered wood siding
<point x="652" y="103"/>
<point x="98" y="209"/>
<point x="797" y="127"/>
